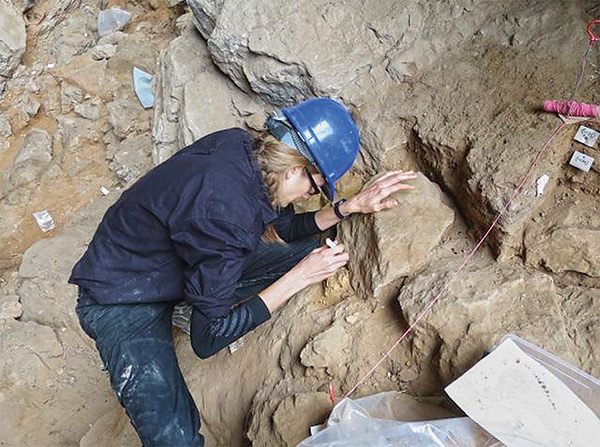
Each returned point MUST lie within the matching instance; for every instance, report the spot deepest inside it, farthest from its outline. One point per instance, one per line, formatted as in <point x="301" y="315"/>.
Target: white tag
<point x="44" y="220"/>
<point x="587" y="136"/>
<point x="581" y="161"/>
<point x="541" y="184"/>
<point x="236" y="345"/>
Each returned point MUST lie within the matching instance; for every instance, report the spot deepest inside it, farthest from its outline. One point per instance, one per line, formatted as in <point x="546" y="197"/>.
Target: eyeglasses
<point x="314" y="188"/>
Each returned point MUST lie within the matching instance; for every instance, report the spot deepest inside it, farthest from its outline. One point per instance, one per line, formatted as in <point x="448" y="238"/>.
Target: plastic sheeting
<point x="111" y="20"/>
<point x="143" y="84"/>
<point x="373" y="421"/>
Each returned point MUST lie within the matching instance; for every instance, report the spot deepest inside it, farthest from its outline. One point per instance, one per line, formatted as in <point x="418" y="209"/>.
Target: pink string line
<point x="487" y="233"/>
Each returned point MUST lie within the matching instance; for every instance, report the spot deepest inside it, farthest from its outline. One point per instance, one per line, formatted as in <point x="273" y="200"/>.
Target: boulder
<point x="563" y="238"/>
<point x="485" y="303"/>
<point x="399" y="242"/>
<point x="194" y="99"/>
<point x="33" y="158"/>
<point x="75" y="34"/>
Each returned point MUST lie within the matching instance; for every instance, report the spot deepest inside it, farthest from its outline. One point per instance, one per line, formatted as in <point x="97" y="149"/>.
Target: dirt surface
<point x="74" y="177"/>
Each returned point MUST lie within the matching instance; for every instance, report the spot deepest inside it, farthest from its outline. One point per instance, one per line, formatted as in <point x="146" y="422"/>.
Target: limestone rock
<point x="10" y="307"/>
<point x="565" y="239"/>
<point x="482" y="306"/>
<point x="296" y="413"/>
<point x="125" y="115"/>
<point x="105" y="51"/>
<point x="569" y="249"/>
<point x="90" y="110"/>
<point x="91" y="77"/>
<point x="579" y="307"/>
<point x="33" y="158"/>
<point x="50" y="94"/>
<point x="326" y="349"/>
<point x="36" y="146"/>
<point x="28" y="353"/>
<point x="396" y="243"/>
<point x="28" y="106"/>
<point x="206" y="14"/>
<point x="69" y="97"/>
<point x="133" y="51"/>
<point x="132" y="159"/>
<point x="22" y="5"/>
<point x="5" y="127"/>
<point x="73" y="37"/>
<point x="239" y="37"/>
<point x="12" y="40"/>
<point x="77" y="131"/>
<point x="186" y="108"/>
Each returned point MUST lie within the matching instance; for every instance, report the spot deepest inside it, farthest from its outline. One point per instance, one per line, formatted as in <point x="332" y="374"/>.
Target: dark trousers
<point x="135" y="343"/>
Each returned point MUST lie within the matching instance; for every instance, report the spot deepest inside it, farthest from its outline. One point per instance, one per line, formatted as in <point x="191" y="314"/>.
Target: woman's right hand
<point x="320" y="264"/>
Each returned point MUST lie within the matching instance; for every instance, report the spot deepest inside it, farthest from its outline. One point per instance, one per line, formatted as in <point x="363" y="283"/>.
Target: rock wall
<point x="450" y="89"/>
<point x="12" y="39"/>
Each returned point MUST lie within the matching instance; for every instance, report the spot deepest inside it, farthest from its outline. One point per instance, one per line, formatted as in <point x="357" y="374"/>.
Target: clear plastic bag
<point x="143" y="84"/>
<point x="112" y="20"/>
<point x="373" y="421"/>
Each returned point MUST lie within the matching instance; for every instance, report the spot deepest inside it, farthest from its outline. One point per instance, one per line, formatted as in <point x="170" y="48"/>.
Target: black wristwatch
<point x="338" y="213"/>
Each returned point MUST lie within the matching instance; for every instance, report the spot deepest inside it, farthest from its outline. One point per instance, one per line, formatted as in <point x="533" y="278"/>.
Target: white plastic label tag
<point x="587" y="136"/>
<point x="581" y="161"/>
<point x="541" y="184"/>
<point x="44" y="220"/>
<point x="234" y="346"/>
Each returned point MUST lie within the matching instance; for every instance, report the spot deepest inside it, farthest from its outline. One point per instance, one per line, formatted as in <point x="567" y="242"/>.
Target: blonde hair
<point x="274" y="159"/>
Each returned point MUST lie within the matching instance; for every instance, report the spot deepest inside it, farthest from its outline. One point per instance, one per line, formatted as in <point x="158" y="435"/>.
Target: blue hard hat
<point x="324" y="132"/>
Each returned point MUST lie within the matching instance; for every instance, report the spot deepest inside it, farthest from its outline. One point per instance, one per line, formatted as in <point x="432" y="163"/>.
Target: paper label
<point x="587" y="136"/>
<point x="44" y="220"/>
<point x="581" y="161"/>
<point x="236" y="345"/>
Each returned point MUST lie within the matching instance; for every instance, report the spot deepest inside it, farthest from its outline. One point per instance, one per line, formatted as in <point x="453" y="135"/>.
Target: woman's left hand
<point x="375" y="194"/>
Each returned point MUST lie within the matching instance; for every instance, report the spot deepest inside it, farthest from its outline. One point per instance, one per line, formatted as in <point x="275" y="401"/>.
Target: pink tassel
<point x="570" y="108"/>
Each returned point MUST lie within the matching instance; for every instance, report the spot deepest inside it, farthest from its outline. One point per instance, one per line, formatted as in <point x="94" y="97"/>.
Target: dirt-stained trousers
<point x="135" y="343"/>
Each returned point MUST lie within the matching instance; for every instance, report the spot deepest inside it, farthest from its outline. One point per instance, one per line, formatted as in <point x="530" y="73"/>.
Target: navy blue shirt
<point x="184" y="229"/>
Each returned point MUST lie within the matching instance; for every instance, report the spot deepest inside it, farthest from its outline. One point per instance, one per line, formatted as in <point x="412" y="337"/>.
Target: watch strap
<point x="336" y="210"/>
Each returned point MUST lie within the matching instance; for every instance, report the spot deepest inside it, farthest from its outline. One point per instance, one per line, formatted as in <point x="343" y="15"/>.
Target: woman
<point x="206" y="227"/>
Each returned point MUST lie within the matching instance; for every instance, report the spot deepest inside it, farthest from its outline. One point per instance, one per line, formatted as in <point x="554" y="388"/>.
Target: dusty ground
<point x="73" y="178"/>
<point x="450" y="89"/>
